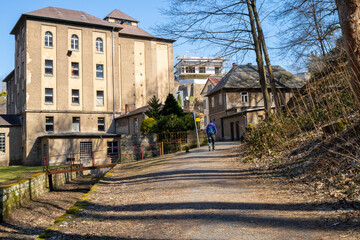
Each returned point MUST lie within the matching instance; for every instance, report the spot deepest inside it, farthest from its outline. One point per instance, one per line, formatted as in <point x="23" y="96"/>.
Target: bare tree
<point x="349" y="15"/>
<point x="229" y="25"/>
<point x="308" y="26"/>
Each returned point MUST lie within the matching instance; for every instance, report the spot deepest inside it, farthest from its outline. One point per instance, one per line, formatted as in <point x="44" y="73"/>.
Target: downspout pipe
<point x="113" y="77"/>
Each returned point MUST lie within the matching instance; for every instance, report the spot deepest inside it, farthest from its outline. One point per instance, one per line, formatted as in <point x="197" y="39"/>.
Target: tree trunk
<point x="259" y="61"/>
<point x="349" y="11"/>
<point x="267" y="59"/>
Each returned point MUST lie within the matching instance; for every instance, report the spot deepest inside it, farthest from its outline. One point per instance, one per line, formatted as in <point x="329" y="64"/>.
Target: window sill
<point x="49" y="75"/>
<point x="75" y="104"/>
<point x="99" y="52"/>
<point x="77" y="77"/>
<point x="75" y="50"/>
<point x="48" y="47"/>
<point x="99" y="78"/>
<point x="49" y="103"/>
<point x="100" y="105"/>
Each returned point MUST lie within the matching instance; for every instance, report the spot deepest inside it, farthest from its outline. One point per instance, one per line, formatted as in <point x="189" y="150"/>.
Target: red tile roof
<point x="215" y="81"/>
<point x="120" y="15"/>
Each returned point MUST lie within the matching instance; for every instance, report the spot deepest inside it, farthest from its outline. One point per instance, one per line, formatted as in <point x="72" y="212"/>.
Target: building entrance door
<point x="237" y="127"/>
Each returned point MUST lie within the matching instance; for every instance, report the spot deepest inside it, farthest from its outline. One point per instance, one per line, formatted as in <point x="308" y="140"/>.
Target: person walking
<point x="210" y="132"/>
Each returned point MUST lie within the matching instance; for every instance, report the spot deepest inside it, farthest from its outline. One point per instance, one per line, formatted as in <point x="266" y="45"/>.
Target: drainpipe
<point x="113" y="77"/>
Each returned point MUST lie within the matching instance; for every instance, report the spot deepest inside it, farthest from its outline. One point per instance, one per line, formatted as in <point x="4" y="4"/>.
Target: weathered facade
<point x="237" y="100"/>
<point x="75" y="73"/>
<point x="209" y="85"/>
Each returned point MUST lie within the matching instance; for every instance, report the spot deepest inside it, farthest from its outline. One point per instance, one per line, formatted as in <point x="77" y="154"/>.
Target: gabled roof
<point x="120" y="15"/>
<point x="247" y="76"/>
<point x="9" y="76"/>
<point x="8" y="120"/>
<point x="139" y="110"/>
<point x="61" y="14"/>
<point x="213" y="81"/>
<point x="134" y="30"/>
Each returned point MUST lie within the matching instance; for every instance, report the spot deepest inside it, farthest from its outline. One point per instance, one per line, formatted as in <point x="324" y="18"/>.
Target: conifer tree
<point x="171" y="106"/>
<point x="154" y="110"/>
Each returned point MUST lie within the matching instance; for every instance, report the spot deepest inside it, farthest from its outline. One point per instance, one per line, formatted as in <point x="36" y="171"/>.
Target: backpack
<point x="211" y="130"/>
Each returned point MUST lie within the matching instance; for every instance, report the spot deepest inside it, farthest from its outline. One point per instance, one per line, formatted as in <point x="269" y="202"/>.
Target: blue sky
<point x="146" y="11"/>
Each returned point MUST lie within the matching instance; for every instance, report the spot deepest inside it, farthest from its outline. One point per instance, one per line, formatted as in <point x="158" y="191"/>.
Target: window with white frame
<point x="49" y="67"/>
<point x="85" y="150"/>
<point x="204" y="103"/>
<point x="2" y="142"/>
<point x="202" y="69"/>
<point x="101" y="124"/>
<point x="190" y="69"/>
<point x="74" y="42"/>
<point x="244" y="97"/>
<point x="49" y="124"/>
<point x="75" y="96"/>
<point x="49" y="95"/>
<point x="100" y="98"/>
<point x="76" y="124"/>
<point x="75" y="69"/>
<point x="48" y="39"/>
<point x="99" y="71"/>
<point x="99" y="45"/>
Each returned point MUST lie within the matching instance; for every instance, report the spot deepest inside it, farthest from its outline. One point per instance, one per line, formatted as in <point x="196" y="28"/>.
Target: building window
<point x="212" y="100"/>
<point x="135" y="125"/>
<point x="113" y="150"/>
<point x="209" y="88"/>
<point x="99" y="45"/>
<point x="49" y="124"/>
<point x="101" y="124"/>
<point x="48" y="39"/>
<point x="75" y="69"/>
<point x="217" y="70"/>
<point x="49" y="95"/>
<point x="99" y="71"/>
<point x="76" y="124"/>
<point x="100" y="98"/>
<point x="74" y="42"/>
<point x="183" y="70"/>
<point x="49" y="67"/>
<point x="220" y="99"/>
<point x="75" y="96"/>
<point x="2" y="142"/>
<point x="204" y="104"/>
<point x="190" y="69"/>
<point x="202" y="70"/>
<point x="244" y="97"/>
<point x="205" y="120"/>
<point x="85" y="150"/>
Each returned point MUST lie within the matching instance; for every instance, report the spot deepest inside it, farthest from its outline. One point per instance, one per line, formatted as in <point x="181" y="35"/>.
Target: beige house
<point x="75" y="73"/>
<point x="209" y="85"/>
<point x="237" y="100"/>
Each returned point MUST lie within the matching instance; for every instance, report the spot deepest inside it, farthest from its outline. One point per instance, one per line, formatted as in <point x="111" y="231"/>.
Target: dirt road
<point x="199" y="195"/>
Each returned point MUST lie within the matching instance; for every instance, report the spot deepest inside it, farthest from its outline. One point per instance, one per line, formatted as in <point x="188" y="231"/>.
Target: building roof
<point x="10" y="120"/>
<point x="137" y="111"/>
<point x="67" y="15"/>
<point x="79" y="135"/>
<point x="120" y="15"/>
<point x="134" y="30"/>
<point x="247" y="76"/>
<point x="213" y="81"/>
<point x="9" y="76"/>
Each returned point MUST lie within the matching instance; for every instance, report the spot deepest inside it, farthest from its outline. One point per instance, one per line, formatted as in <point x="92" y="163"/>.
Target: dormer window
<point x="99" y="45"/>
<point x="48" y="39"/>
<point x="74" y="42"/>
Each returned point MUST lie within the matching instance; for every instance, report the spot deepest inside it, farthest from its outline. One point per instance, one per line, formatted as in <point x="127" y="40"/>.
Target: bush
<point x="147" y="125"/>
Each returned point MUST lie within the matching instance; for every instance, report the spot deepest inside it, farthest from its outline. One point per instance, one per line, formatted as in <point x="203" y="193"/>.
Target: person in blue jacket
<point x="211" y="131"/>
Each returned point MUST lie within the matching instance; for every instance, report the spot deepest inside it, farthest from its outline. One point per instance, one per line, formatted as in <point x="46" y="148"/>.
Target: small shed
<point x="10" y="140"/>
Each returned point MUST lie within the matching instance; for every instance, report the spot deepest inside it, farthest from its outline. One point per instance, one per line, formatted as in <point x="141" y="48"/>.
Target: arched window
<point x="74" y="42"/>
<point x="48" y="39"/>
<point x="99" y="45"/>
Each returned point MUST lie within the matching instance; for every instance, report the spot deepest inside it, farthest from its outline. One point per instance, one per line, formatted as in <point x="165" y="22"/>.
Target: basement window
<point x="85" y="150"/>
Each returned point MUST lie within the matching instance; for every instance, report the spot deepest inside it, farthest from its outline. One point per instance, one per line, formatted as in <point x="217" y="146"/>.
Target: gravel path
<point x="199" y="195"/>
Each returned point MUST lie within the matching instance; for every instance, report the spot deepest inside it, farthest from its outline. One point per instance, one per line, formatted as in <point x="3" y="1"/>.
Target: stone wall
<point x="136" y="147"/>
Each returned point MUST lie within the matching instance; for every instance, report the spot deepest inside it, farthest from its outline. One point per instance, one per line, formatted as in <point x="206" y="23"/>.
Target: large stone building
<point x="75" y="73"/>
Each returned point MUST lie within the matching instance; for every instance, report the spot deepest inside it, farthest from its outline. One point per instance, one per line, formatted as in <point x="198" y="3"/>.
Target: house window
<point x="49" y="95"/>
<point x="220" y="99"/>
<point x="2" y="142"/>
<point x="75" y="96"/>
<point x="190" y="69"/>
<point x="85" y="150"/>
<point x="183" y="70"/>
<point x="101" y="124"/>
<point x="49" y="124"/>
<point x="204" y="104"/>
<point x="202" y="70"/>
<point x="99" y="45"/>
<point x="99" y="71"/>
<point x="100" y="98"/>
<point x="76" y="124"/>
<point x="244" y="97"/>
<point x="113" y="150"/>
<point x="135" y="125"/>
<point x="212" y="100"/>
<point x="209" y="88"/>
<point x="217" y="70"/>
<point x="48" y="39"/>
<point x="74" y="42"/>
<point x="49" y="67"/>
<point x="75" y="69"/>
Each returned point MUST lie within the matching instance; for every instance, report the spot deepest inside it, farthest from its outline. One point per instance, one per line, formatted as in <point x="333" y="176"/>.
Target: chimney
<point x="127" y="108"/>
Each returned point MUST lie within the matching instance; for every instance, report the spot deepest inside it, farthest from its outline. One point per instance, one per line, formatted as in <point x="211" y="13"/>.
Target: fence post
<point x="162" y="148"/>
<point x="92" y="155"/>
<point x="180" y="143"/>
